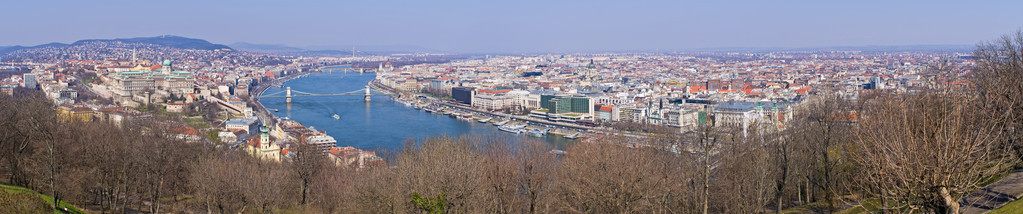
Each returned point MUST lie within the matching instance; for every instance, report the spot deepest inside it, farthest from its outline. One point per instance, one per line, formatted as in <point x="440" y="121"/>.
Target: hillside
<point x="17" y="199"/>
<point x="165" y="40"/>
<point x="9" y="49"/>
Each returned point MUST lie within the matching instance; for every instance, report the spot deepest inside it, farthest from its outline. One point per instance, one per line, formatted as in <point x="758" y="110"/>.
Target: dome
<point x="166" y="62"/>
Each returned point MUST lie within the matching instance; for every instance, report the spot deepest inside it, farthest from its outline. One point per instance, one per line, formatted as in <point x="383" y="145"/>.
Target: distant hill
<point x="8" y="49"/>
<point x="166" y="40"/>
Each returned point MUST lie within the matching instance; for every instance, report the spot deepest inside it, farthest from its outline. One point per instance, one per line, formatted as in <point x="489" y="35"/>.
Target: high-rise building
<point x="30" y="81"/>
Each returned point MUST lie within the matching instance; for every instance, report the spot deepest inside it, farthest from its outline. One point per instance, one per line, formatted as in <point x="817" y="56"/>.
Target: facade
<point x="463" y="94"/>
<point x="30" y="81"/>
<point x="564" y="104"/>
<point x="321" y="140"/>
<point x="745" y="114"/>
<point x="74" y="113"/>
<point x="137" y="81"/>
<point x="250" y="125"/>
<point x="492" y="102"/>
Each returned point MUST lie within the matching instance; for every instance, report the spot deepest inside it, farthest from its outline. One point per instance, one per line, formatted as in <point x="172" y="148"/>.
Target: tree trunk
<point x="783" y="181"/>
<point x="305" y="183"/>
<point x="951" y="205"/>
<point x="53" y="177"/>
<point x="799" y="192"/>
<point x="706" y="182"/>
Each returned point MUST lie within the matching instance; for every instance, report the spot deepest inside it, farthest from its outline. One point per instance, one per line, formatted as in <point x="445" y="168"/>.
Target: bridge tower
<point x="288" y="96"/>
<point x="367" y="93"/>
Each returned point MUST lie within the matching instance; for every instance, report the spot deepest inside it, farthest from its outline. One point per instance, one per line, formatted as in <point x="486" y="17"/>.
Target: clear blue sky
<point x="519" y="25"/>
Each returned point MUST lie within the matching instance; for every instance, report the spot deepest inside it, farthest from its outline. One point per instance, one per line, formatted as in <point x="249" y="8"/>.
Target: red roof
<point x="605" y="108"/>
<point x="185" y="130"/>
<point x="495" y="91"/>
<point x="803" y="90"/>
<point x="254" y="142"/>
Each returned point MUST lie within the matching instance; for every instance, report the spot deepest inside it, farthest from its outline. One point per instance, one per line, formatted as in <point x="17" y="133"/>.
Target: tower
<point x="166" y="66"/>
<point x="367" y="93"/>
<point x="590" y="70"/>
<point x="264" y="137"/>
<point x="288" y="95"/>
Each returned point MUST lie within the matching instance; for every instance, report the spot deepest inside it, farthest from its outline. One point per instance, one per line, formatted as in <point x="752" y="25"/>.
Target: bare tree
<point x="822" y="126"/>
<point x="611" y="178"/>
<point x="451" y="167"/>
<point x="928" y="150"/>
<point x="307" y="164"/>
<point x="535" y="170"/>
<point x="706" y="141"/>
<point x="998" y="77"/>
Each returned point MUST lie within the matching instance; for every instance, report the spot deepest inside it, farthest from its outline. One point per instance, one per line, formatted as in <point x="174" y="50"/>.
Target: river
<point x="381" y="124"/>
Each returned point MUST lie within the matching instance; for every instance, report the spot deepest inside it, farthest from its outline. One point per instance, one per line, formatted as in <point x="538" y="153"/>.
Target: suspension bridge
<point x="288" y="94"/>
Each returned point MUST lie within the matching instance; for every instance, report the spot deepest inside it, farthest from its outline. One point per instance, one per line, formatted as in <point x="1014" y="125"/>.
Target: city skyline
<point x="513" y="27"/>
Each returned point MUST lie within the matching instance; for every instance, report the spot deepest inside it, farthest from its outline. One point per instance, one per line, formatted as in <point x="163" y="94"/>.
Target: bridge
<point x="367" y="93"/>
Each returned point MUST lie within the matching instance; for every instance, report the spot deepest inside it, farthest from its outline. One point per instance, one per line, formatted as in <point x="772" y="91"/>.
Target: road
<point x="998" y="194"/>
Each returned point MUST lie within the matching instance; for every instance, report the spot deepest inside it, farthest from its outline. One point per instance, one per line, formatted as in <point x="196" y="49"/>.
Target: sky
<point x="519" y="25"/>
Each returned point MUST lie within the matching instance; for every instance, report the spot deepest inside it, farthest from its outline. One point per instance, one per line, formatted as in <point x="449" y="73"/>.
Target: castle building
<point x="166" y="79"/>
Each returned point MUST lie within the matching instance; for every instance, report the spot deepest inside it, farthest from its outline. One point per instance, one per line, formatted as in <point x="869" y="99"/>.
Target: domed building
<point x="165" y="79"/>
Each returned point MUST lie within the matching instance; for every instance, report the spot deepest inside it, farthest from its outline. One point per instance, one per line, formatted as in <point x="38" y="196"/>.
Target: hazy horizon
<point x="520" y="26"/>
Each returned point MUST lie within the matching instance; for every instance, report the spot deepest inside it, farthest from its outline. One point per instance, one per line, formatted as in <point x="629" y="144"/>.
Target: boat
<point x="336" y="117"/>
<point x="501" y="123"/>
<point x="513" y="129"/>
<point x="572" y="136"/>
<point x="429" y="110"/>
<point x="484" y="120"/>
<point x="275" y="110"/>
<point x="537" y="132"/>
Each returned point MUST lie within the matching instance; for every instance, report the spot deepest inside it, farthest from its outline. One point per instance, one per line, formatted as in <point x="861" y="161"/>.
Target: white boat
<point x="484" y="120"/>
<point x="336" y="117"/>
<point x="513" y="129"/>
<point x="501" y="123"/>
<point x="572" y="136"/>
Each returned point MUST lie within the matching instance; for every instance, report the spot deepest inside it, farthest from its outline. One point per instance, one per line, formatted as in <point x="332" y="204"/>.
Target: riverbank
<point x="424" y="102"/>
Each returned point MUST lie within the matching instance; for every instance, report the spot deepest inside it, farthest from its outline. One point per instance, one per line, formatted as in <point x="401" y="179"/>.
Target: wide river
<point x="381" y="124"/>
